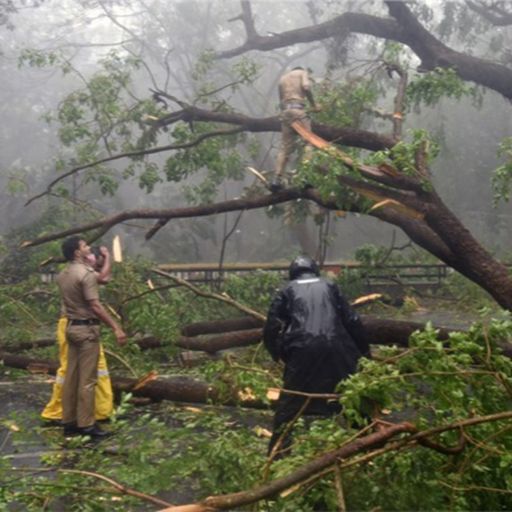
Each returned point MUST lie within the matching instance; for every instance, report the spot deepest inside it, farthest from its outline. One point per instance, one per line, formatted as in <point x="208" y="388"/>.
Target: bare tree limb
<point x="491" y="12"/>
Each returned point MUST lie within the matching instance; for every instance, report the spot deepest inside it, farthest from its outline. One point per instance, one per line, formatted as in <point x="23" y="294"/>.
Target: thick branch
<point x="345" y="136"/>
<point x="240" y="499"/>
<point x="329" y="459"/>
<point x="163" y="214"/>
<point x="210" y="295"/>
<point x="405" y="29"/>
<point x="175" y="213"/>
<point x="223" y="341"/>
<point x="492" y="13"/>
<point x="179" y="389"/>
<point x="221" y="326"/>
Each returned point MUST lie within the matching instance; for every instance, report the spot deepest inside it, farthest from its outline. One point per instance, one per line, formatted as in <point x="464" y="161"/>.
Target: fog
<point x="66" y="43"/>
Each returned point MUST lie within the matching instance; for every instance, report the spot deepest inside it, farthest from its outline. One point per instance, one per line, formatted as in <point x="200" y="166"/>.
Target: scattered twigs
<point x="339" y="489"/>
<point x="147" y="292"/>
<point x="474" y="488"/>
<point x="122" y="361"/>
<point x="447" y="450"/>
<point x="225" y="238"/>
<point x="276" y="449"/>
<point x="119" y="488"/>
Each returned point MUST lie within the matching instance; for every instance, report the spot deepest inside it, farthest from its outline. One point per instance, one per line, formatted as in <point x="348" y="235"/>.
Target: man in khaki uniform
<point x="294" y="90"/>
<point x="80" y="301"/>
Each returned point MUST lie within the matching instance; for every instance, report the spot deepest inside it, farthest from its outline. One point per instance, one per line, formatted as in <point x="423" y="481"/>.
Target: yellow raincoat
<point x="104" y="398"/>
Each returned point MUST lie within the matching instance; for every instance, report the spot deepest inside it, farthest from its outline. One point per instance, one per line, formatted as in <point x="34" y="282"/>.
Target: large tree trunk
<point x="221" y="341"/>
<point x="472" y="261"/>
<point x="178" y="389"/>
<point x="379" y="331"/>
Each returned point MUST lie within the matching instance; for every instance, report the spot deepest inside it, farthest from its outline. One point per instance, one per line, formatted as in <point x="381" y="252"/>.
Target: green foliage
<point x="255" y="290"/>
<point x="38" y="58"/>
<point x="327" y="182"/>
<point x="18" y="264"/>
<point x="502" y="176"/>
<point x="428" y="89"/>
<point x="437" y="384"/>
<point x="103" y="116"/>
<point x="218" y="158"/>
<point x="25" y="308"/>
<point x="199" y="451"/>
<point x="403" y="154"/>
<point x="344" y="103"/>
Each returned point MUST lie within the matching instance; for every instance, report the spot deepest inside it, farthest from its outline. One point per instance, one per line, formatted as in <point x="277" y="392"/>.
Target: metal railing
<point x="403" y="274"/>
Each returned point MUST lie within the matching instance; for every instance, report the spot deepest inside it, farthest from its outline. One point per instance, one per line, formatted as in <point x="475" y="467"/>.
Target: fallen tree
<point x="336" y="458"/>
<point x="179" y="389"/>
<point x="244" y="331"/>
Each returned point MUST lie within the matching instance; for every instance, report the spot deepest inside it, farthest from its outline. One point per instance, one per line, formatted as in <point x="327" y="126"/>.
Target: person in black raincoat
<point x="312" y="328"/>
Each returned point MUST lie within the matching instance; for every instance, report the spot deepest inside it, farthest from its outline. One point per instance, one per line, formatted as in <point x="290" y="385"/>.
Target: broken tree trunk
<point x="178" y="389"/>
<point x="379" y="332"/>
<point x="221" y="326"/>
<point x="144" y="343"/>
<point x="222" y="341"/>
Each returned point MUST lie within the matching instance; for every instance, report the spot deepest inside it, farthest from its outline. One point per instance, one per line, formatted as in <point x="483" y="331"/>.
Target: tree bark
<point x="178" y="389"/>
<point x="379" y="331"/>
<point x="222" y="341"/>
<point x="221" y="326"/>
<point x="404" y="28"/>
<point x="316" y="466"/>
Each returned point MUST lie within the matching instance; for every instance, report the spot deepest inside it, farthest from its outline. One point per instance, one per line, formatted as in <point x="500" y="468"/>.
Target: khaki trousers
<point x="80" y="381"/>
<point x="289" y="137"/>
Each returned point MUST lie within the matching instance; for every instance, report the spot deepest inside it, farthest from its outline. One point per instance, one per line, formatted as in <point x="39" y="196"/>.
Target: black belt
<point x="87" y="321"/>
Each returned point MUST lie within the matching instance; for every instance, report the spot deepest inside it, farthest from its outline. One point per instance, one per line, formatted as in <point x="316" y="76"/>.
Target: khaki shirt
<point x="78" y="286"/>
<point x="293" y="86"/>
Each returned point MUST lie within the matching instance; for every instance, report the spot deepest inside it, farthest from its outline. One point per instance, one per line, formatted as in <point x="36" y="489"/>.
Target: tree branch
<point x="492" y="13"/>
<point x="405" y="29"/>
<point x="239" y="499"/>
<point x="173" y="213"/>
<point x="209" y="295"/>
<point x="133" y="154"/>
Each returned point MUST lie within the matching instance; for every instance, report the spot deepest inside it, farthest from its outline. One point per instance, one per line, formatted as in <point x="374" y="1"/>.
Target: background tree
<point x="109" y="121"/>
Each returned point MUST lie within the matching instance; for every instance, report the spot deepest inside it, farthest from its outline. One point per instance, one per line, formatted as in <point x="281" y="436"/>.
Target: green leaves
<point x="437" y="383"/>
<point x="344" y="103"/>
<point x="502" y="176"/>
<point x="429" y="88"/>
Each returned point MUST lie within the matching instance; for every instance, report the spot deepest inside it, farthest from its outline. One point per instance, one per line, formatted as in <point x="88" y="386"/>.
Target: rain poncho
<point x="314" y="331"/>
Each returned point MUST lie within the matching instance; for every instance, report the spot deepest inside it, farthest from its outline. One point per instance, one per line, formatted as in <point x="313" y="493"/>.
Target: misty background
<point x="170" y="39"/>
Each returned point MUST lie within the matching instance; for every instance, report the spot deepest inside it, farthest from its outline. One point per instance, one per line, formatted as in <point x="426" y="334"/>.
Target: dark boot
<point x="276" y="185"/>
<point x="93" y="431"/>
<point x="70" y="429"/>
